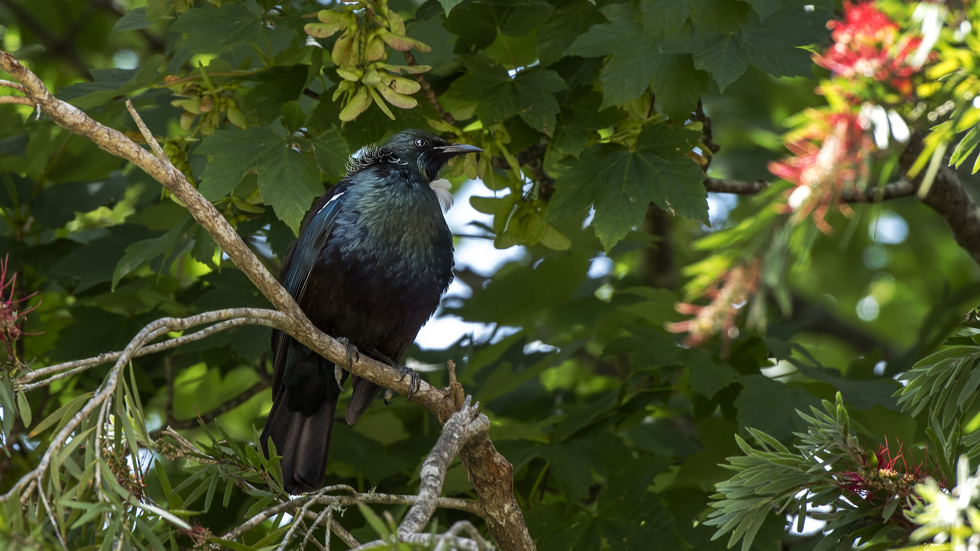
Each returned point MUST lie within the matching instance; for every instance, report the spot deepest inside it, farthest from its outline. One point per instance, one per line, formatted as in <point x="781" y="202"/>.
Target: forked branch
<point x="504" y="519"/>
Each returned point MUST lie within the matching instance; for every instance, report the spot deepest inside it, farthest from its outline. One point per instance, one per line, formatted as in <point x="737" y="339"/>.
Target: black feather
<point x="372" y="261"/>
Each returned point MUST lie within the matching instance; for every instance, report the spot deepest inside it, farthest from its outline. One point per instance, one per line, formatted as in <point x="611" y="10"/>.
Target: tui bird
<point x="372" y="260"/>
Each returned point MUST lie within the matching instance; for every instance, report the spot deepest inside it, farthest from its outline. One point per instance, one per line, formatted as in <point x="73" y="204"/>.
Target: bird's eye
<point x="420" y="142"/>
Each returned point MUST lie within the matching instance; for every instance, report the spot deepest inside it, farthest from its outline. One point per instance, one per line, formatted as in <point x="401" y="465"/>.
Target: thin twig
<point x="296" y="522"/>
<point x="333" y="500"/>
<point x="17" y="100"/>
<point x="239" y="317"/>
<point x="309" y="532"/>
<point x="429" y="93"/>
<point x="13" y="85"/>
<point x="54" y="522"/>
<point x="157" y="150"/>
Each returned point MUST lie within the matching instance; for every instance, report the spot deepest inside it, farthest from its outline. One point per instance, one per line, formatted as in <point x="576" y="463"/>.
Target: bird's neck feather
<point x="401" y="216"/>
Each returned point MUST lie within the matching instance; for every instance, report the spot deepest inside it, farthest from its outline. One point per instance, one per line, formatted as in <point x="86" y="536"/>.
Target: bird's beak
<point x="454" y="149"/>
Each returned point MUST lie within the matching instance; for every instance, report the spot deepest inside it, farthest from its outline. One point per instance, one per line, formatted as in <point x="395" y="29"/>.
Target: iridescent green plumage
<point x="373" y="259"/>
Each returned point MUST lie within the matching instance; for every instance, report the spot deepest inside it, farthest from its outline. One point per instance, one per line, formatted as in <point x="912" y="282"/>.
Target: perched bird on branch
<point x="372" y="260"/>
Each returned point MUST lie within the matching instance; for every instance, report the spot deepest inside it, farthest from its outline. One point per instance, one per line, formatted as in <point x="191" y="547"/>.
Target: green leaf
<point x="773" y="45"/>
<point x="331" y="152"/>
<point x="448" y="5"/>
<point x="965" y="147"/>
<point x="651" y="349"/>
<point x="111" y="83"/>
<point x="290" y="183"/>
<point x="212" y="29"/>
<point x="764" y="8"/>
<point x="515" y="297"/>
<point x="633" y="38"/>
<point x="212" y="486"/>
<point x="141" y="252"/>
<point x="771" y="406"/>
<point x="860" y="394"/>
<point x="24" y="408"/>
<point x="293" y="116"/>
<point x="147" y="531"/>
<point x="566" y="23"/>
<point x="133" y="20"/>
<point x="62" y="414"/>
<point x="277" y="86"/>
<point x="625" y="517"/>
<point x="530" y="94"/>
<point x="287" y="179"/>
<point x="14" y="145"/>
<point x="621" y="183"/>
<point x="678" y="85"/>
<point x="476" y="26"/>
<point x="85" y="267"/>
<point x="581" y="115"/>
<point x="54" y="206"/>
<point x="374" y="520"/>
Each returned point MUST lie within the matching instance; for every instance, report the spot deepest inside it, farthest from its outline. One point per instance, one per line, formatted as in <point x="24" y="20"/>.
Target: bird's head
<point x="427" y="152"/>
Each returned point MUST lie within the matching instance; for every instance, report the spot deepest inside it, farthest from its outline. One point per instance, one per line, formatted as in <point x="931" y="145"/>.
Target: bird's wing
<point x="298" y="263"/>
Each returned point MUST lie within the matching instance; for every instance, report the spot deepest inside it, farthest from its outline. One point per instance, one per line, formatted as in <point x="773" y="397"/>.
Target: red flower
<point x="830" y="155"/>
<point x="887" y="474"/>
<point x="734" y="288"/>
<point x="10" y="318"/>
<point x="867" y="44"/>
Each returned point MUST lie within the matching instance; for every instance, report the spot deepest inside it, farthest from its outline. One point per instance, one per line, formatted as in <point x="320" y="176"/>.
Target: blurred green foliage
<point x="600" y="122"/>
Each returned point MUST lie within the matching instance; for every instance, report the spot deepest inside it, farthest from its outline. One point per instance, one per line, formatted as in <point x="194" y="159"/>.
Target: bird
<point x="373" y="258"/>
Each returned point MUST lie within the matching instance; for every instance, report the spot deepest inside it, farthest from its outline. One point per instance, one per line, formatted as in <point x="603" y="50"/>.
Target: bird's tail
<point x="300" y="424"/>
<point x="303" y="442"/>
<point x="363" y="392"/>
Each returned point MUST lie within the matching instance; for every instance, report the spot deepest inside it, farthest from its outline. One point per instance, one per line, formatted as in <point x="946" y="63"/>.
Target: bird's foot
<point x="415" y="382"/>
<point x="352" y="353"/>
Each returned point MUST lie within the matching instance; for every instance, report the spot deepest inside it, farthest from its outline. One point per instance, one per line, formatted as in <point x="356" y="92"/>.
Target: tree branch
<point x="228" y="318"/>
<point x="948" y="197"/>
<point x="486" y="466"/>
<point x="16" y="100"/>
<point x="901" y="188"/>
<point x="810" y="316"/>
<point x="493" y="477"/>
<point x="31" y="479"/>
<point x="461" y="427"/>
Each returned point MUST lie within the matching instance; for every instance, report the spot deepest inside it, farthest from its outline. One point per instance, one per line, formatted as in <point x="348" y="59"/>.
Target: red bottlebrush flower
<point x="734" y="288"/>
<point x="830" y="155"/>
<point x="10" y="317"/>
<point x="886" y="474"/>
<point x="867" y="44"/>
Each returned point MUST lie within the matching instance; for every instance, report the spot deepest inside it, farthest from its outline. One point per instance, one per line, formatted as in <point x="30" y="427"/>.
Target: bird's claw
<point x="415" y="382"/>
<point x="352" y="352"/>
<point x="338" y="373"/>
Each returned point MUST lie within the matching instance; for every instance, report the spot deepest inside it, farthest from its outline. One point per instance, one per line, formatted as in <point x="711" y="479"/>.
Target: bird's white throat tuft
<point x="443" y="190"/>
